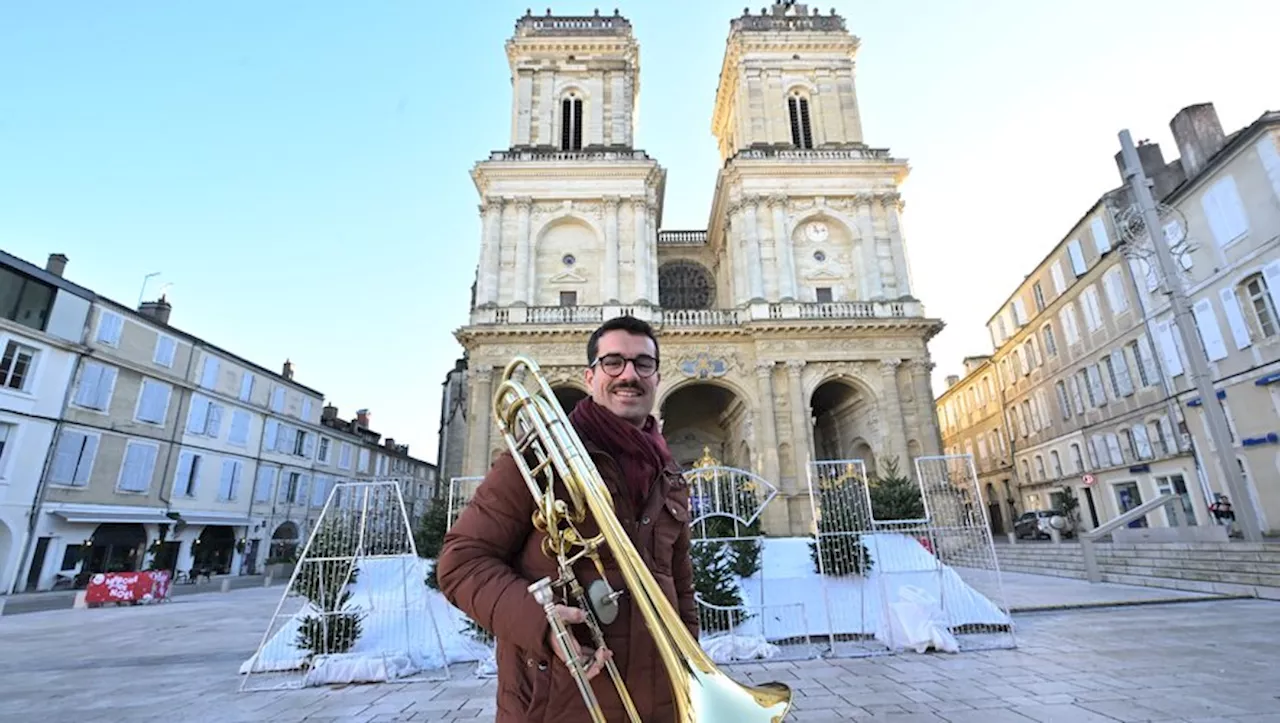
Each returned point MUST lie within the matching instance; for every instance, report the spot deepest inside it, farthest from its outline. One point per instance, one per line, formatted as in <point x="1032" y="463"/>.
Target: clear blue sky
<point x="298" y="170"/>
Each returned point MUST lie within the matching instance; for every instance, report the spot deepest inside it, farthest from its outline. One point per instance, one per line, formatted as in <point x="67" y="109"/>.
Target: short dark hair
<point x="620" y="323"/>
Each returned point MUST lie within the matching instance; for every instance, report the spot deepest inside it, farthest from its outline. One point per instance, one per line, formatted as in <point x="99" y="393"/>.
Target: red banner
<point x="128" y="587"/>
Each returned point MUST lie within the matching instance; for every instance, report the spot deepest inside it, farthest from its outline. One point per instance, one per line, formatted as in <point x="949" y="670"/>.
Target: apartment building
<point x="42" y="319"/>
<point x="971" y="417"/>
<point x="1226" y="231"/>
<point x="143" y="446"/>
<point x="1095" y="395"/>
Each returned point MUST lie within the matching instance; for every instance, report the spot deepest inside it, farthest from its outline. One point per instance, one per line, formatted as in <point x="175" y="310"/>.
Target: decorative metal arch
<point x="685" y="284"/>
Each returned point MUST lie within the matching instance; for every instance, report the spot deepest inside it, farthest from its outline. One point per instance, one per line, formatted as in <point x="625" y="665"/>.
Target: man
<point x="493" y="553"/>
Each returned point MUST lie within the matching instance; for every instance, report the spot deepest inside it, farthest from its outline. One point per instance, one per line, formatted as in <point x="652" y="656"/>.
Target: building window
<point x="73" y="457"/>
<point x="25" y="300"/>
<point x="571" y="123"/>
<point x="568" y="298"/>
<point x="801" y="130"/>
<point x="1050" y="341"/>
<point x="1056" y="461"/>
<point x="823" y="294"/>
<point x="685" y="285"/>
<point x="1264" y="311"/>
<point x="188" y="475"/>
<point x="110" y="327"/>
<point x="1038" y="294"/>
<point x="6" y="431"/>
<point x="16" y="366"/>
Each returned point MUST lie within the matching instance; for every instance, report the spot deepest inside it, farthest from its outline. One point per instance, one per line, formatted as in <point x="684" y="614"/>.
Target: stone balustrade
<point x="549" y="154"/>
<point x="811" y="155"/>
<point x="682" y="238"/>
<point x="761" y="312"/>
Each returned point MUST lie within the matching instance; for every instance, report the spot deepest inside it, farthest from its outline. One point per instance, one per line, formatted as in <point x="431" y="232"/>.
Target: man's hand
<point x="593" y="660"/>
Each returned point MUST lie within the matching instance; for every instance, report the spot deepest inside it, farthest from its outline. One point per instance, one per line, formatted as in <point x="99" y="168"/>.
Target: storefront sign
<point x="128" y="587"/>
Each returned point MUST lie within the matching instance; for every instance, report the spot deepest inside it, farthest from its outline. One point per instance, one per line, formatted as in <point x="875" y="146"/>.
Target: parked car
<point x="1035" y="524"/>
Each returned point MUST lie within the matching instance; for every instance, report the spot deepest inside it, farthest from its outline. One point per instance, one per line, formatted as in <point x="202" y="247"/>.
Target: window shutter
<point x="1095" y="459"/>
<point x="1117" y="296"/>
<point x="246" y="386"/>
<point x="1100" y="240"/>
<point x="306" y="409"/>
<point x="1270" y="158"/>
<point x="1142" y="442"/>
<point x="65" y="456"/>
<point x="1147" y="360"/>
<point x="209" y="374"/>
<point x="226" y="484"/>
<point x="239" y="433"/>
<point x="1168" y="350"/>
<point x="90" y="379"/>
<point x="199" y="415"/>
<point x="1210" y="334"/>
<point x="1059" y="282"/>
<point x="1235" y="319"/>
<point x="1271" y="274"/>
<point x="1166" y="430"/>
<point x="1099" y="391"/>
<point x="308" y="445"/>
<point x="284" y="442"/>
<point x="273" y="431"/>
<point x="1077" y="258"/>
<point x="105" y="386"/>
<point x="1113" y="447"/>
<point x="186" y="461"/>
<point x="214" y="426"/>
<point x="1121" y="367"/>
<point x="1076" y="395"/>
<point x="262" y="488"/>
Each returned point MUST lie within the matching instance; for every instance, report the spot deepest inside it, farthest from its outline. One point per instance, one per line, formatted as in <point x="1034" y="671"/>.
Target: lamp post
<point x="1197" y="359"/>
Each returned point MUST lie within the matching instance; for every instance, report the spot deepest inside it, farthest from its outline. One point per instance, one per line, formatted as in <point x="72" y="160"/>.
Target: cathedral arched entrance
<point x="846" y="422"/>
<point x="568" y="396"/>
<point x="706" y="416"/>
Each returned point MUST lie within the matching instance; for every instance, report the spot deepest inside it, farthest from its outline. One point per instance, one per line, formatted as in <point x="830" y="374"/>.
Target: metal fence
<point x="355" y="609"/>
<point x="904" y="566"/>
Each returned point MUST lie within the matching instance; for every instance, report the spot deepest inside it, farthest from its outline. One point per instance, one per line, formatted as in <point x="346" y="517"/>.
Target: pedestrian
<point x="493" y="552"/>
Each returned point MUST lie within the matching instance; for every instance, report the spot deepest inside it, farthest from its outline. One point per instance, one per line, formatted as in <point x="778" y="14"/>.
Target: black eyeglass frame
<point x="599" y="362"/>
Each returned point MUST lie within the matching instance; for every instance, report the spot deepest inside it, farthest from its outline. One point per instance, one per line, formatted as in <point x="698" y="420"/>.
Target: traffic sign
<point x="1088" y="480"/>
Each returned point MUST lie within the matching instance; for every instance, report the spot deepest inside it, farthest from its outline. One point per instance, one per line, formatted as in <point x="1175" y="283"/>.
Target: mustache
<point x="627" y="385"/>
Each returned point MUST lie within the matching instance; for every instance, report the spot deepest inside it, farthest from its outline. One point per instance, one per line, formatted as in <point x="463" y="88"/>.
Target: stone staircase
<point x="1231" y="568"/>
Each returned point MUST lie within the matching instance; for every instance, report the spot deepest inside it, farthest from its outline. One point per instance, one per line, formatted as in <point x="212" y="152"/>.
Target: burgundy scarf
<point x="641" y="452"/>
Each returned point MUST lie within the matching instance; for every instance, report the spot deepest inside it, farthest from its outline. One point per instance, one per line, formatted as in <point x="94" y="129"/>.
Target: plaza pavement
<point x="1201" y="660"/>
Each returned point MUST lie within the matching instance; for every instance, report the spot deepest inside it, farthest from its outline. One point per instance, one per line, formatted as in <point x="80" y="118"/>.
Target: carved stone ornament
<point x="703" y="366"/>
<point x="764" y="368"/>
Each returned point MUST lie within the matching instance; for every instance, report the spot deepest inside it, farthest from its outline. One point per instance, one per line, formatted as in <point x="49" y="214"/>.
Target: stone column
<point x="768" y="443"/>
<point x="872" y="287"/>
<point x="491" y="255"/>
<point x="523" y="272"/>
<point x="800" y="422"/>
<point x="892" y="416"/>
<point x="930" y="435"/>
<point x="640" y="253"/>
<point x="651" y="254"/>
<point x="786" y="255"/>
<point x="733" y="241"/>
<point x="610" y="271"/>
<point x="751" y="238"/>
<point x="480" y="399"/>
<point x="892" y="203"/>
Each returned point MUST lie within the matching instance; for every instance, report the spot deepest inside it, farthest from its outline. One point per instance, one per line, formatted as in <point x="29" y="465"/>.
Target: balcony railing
<point x="680" y="318"/>
<point x="816" y="154"/>
<point x="551" y="154"/>
<point x="682" y="238"/>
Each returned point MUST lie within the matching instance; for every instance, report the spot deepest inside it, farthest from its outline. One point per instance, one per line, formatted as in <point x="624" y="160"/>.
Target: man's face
<point x="630" y="394"/>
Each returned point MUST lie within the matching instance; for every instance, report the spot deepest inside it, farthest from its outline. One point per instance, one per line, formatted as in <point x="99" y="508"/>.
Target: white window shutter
<point x="246" y="386"/>
<point x="209" y="374"/>
<point x="186" y="461"/>
<point x="309" y="445"/>
<point x="273" y="431"/>
<point x="1095" y="383"/>
<point x="1077" y="258"/>
<point x="1113" y="446"/>
<point x="1142" y="442"/>
<point x="1119" y="298"/>
<point x="1076" y="397"/>
<point x="1271" y="274"/>
<point x="226" y="484"/>
<point x="1235" y="319"/>
<point x="1270" y="158"/>
<point x="214" y="426"/>
<point x="1166" y="429"/>
<point x="1059" y="282"/>
<point x="288" y="435"/>
<point x="263" y="487"/>
<point x="306" y="409"/>
<point x="90" y="378"/>
<point x="1100" y="240"/>
<point x="1168" y="349"/>
<point x="65" y="456"/>
<point x="105" y="386"/>
<point x="1210" y="333"/>
<point x="1121" y="367"/>
<point x="1148" y="361"/>
<point x="199" y="415"/>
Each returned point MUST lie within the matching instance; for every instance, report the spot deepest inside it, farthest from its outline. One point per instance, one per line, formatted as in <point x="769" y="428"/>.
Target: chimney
<point x="390" y="443"/>
<point x="157" y="310"/>
<point x="329" y="413"/>
<point x="362" y="417"/>
<point x="952" y="380"/>
<point x="1198" y="133"/>
<point x="287" y="373"/>
<point x="57" y="264"/>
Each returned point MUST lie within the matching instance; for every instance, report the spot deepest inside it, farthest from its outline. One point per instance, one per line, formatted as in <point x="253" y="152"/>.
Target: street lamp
<point x="1197" y="359"/>
<point x="143" y="291"/>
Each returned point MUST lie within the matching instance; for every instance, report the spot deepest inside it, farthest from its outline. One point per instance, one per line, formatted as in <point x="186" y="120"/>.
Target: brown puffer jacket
<point x="491" y="555"/>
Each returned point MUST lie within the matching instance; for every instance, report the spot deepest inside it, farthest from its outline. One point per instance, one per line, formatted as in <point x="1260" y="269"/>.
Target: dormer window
<point x="571" y="123"/>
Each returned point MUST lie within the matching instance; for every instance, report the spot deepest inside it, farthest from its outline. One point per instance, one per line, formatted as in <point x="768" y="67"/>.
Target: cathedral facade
<point x="788" y="328"/>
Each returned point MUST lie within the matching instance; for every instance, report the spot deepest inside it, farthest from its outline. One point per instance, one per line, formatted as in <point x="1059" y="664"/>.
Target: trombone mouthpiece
<point x="542" y="591"/>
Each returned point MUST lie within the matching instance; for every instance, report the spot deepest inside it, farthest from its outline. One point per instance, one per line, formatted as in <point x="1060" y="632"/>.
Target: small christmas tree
<point x="429" y="536"/>
<point x="716" y="585"/>
<point x="894" y="496"/>
<point x="324" y="578"/>
<point x="841" y="514"/>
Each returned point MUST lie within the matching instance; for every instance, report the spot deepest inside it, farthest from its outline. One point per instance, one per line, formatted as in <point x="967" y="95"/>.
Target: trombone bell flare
<point x="546" y="448"/>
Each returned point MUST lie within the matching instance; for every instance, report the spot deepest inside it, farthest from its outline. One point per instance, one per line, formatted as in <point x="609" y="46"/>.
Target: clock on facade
<point x="816" y="231"/>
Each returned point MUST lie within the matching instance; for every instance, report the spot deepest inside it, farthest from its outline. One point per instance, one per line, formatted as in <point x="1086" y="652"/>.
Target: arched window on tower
<point x="571" y="123"/>
<point x="801" y="130"/>
<point x="685" y="285"/>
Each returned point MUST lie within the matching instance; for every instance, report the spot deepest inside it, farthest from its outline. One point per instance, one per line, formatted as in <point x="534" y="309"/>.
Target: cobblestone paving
<point x="1200" y="661"/>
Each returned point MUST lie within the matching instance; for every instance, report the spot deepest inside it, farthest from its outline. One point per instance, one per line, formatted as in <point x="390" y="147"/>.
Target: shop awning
<point x="99" y="514"/>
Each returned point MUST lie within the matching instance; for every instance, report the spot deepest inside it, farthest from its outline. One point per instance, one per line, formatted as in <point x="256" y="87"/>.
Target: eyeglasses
<point x="613" y="364"/>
